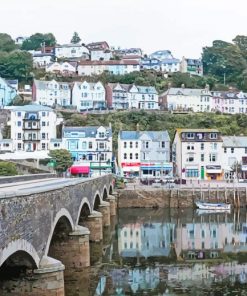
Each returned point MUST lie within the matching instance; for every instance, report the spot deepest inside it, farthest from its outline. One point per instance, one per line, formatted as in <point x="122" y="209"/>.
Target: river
<point x="167" y="252"/>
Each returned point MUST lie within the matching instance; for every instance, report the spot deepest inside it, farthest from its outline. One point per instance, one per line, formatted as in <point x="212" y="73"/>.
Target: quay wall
<point x="179" y="198"/>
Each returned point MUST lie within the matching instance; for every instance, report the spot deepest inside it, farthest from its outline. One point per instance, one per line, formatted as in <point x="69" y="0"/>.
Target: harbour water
<point x="167" y="252"/>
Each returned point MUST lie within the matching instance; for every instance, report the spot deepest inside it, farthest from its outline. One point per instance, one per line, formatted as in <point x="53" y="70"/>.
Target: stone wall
<point x="14" y="179"/>
<point x="178" y="198"/>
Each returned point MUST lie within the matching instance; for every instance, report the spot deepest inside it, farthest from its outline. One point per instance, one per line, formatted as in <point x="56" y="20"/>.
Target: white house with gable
<point x="143" y="97"/>
<point x="71" y="51"/>
<point x="87" y="95"/>
<point x="63" y="68"/>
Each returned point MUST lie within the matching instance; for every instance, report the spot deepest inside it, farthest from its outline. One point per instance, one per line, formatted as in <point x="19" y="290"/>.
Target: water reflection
<point x="172" y="252"/>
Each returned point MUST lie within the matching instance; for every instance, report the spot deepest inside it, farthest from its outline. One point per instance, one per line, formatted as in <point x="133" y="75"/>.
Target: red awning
<point x="74" y="170"/>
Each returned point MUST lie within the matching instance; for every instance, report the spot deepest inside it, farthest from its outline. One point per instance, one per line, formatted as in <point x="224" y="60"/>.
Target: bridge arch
<point x="19" y="245"/>
<point x="96" y="201"/>
<point x="110" y="189"/>
<point x="62" y="213"/>
<point x="83" y="203"/>
<point x="105" y="193"/>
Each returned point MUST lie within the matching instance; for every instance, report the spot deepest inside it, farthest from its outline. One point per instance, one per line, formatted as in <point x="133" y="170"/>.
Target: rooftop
<point x="135" y="135"/>
<point x="32" y="108"/>
<point x="233" y="141"/>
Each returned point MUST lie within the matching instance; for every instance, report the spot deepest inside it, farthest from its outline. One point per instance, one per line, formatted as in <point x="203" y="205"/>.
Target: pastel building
<point x="145" y="154"/>
<point x="50" y="93"/>
<point x="230" y="102"/>
<point x="87" y="96"/>
<point x="91" y="149"/>
<point x="71" y="51"/>
<point x="191" y="66"/>
<point x="7" y="92"/>
<point x="64" y="68"/>
<point x="33" y="127"/>
<point x="197" y="154"/>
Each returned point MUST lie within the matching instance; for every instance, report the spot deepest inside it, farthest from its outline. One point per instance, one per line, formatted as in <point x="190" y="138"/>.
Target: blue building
<point x="7" y="92"/>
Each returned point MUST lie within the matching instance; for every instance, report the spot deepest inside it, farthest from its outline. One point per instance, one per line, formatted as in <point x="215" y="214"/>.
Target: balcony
<point x="31" y="127"/>
<point x="31" y="138"/>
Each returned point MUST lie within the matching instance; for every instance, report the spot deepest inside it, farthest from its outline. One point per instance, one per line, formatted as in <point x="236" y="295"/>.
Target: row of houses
<point x="195" y="154"/>
<point x="87" y="96"/>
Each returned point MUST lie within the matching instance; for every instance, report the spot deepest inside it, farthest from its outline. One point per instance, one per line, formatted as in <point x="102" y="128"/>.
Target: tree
<point x="38" y="40"/>
<point x="62" y="158"/>
<point x="16" y="65"/>
<point x="7" y="169"/>
<point x="75" y="38"/>
<point x="7" y="43"/>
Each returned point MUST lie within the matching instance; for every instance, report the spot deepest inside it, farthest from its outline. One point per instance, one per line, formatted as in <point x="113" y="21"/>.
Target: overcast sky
<point x="183" y="26"/>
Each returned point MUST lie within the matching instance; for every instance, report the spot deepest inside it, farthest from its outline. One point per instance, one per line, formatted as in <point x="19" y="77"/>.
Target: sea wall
<point x="179" y="198"/>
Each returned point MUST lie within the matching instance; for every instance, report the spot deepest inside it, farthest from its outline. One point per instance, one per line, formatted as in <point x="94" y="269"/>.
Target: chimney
<point x="137" y="127"/>
<point x="110" y="125"/>
<point x="207" y="87"/>
<point x="183" y="85"/>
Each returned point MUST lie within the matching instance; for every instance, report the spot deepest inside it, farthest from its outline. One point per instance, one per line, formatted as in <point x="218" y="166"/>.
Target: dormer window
<point x="213" y="135"/>
<point x="190" y="135"/>
<point x="101" y="134"/>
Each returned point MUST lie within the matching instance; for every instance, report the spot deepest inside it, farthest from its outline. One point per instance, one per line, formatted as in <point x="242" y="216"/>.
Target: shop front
<point x="156" y="170"/>
<point x="214" y="172"/>
<point x="130" y="169"/>
<point x="80" y="170"/>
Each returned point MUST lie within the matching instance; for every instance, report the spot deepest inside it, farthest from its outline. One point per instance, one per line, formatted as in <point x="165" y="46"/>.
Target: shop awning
<point x="213" y="171"/>
<point x="74" y="170"/>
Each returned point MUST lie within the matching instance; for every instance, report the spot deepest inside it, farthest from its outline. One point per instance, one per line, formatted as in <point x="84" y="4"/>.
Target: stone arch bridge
<point x="46" y="226"/>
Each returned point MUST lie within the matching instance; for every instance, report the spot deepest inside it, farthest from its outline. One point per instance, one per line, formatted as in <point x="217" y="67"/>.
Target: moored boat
<point x="212" y="206"/>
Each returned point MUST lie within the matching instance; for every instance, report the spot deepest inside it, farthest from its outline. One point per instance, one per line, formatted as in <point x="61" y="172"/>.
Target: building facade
<point x="87" y="96"/>
<point x="51" y="93"/>
<point x="91" y="149"/>
<point x="7" y="92"/>
<point x="33" y="127"/>
<point x="144" y="154"/>
<point x="64" y="68"/>
<point x="191" y="66"/>
<point x="197" y="154"/>
<point x="71" y="51"/>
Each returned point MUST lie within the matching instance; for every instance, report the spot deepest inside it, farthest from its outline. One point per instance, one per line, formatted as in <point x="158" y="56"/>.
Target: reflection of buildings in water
<point x="213" y="237"/>
<point x="146" y="240"/>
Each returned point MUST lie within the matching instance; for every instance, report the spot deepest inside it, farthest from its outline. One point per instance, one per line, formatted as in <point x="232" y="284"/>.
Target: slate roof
<point x="236" y="142"/>
<point x="154" y="135"/>
<point x="111" y="62"/>
<point x="186" y="91"/>
<point x="90" y="131"/>
<point x="32" y="108"/>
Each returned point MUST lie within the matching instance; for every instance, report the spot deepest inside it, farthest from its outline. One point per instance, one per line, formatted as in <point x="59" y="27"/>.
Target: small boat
<point x="212" y="206"/>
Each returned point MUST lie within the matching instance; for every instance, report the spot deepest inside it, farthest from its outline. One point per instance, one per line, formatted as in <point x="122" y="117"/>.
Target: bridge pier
<point x="74" y="252"/>
<point x="104" y="209"/>
<point x="112" y="200"/>
<point x="94" y="224"/>
<point x="48" y="278"/>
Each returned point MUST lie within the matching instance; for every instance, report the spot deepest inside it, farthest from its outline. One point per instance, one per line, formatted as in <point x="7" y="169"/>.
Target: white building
<point x="62" y="68"/>
<point x="32" y="127"/>
<point x="230" y="102"/>
<point x="145" y="154"/>
<point x="191" y="66"/>
<point x="234" y="157"/>
<point x="197" y="154"/>
<point x="127" y="96"/>
<point x="50" y="93"/>
<point x="71" y="51"/>
<point x="170" y="65"/>
<point x="196" y="100"/>
<point x="90" y="147"/>
<point x="116" y="67"/>
<point x="41" y="60"/>
<point x="87" y="96"/>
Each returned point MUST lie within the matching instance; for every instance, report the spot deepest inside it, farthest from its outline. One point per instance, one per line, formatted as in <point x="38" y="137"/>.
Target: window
<point x="212" y="157"/>
<point x="202" y="146"/>
<point x="43" y="136"/>
<point x="214" y="146"/>
<point x="163" y="144"/>
<point x="192" y="173"/>
<point x="131" y="156"/>
<point x="213" y="135"/>
<point x="191" y="233"/>
<point x="43" y="146"/>
<point x="203" y="245"/>
<point x="43" y="123"/>
<point x="190" y="158"/>
<point x="225" y="150"/>
<point x="56" y="144"/>
<point x="101" y="145"/>
<point x="245" y="150"/>
<point x="125" y="155"/>
<point x="18" y="123"/>
<point x="19" y="114"/>
<point x="19" y="146"/>
<point x="203" y="234"/>
<point x="90" y="145"/>
<point x="146" y="144"/>
<point x="190" y="135"/>
<point x="84" y="145"/>
<point x="202" y="157"/>
<point x="136" y="155"/>
<point x="19" y="136"/>
<point x="136" y="144"/>
<point x="125" y="144"/>
<point x="101" y="135"/>
<point x="131" y="145"/>
<point x="232" y="150"/>
<point x="43" y="114"/>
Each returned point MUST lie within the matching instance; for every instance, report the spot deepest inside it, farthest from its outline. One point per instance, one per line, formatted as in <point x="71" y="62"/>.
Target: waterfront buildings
<point x="197" y="154"/>
<point x="51" y="93"/>
<point x="145" y="154"/>
<point x="87" y="96"/>
<point x="90" y="147"/>
<point x="32" y="127"/>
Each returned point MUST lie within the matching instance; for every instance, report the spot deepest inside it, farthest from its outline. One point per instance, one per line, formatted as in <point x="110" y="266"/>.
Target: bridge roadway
<point x="37" y="186"/>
